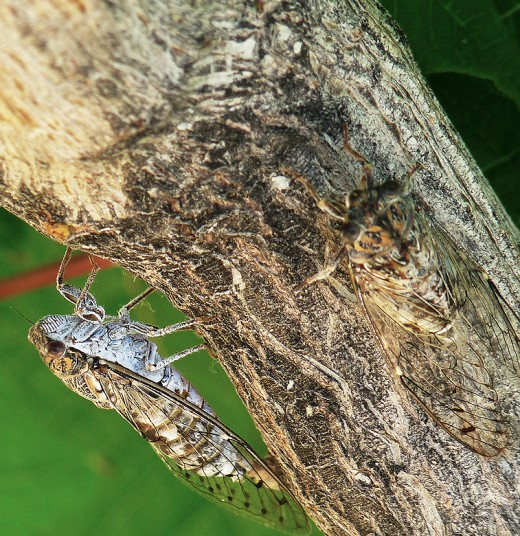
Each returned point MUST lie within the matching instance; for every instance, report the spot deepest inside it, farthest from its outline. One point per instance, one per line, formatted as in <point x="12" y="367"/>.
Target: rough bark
<point x="153" y="134"/>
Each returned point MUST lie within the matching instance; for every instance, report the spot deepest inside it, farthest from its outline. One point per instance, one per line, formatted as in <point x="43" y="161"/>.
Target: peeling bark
<point x="153" y="134"/>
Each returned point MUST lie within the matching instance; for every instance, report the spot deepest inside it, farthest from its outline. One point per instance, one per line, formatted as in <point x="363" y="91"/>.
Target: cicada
<point x="440" y="322"/>
<point x="110" y="361"/>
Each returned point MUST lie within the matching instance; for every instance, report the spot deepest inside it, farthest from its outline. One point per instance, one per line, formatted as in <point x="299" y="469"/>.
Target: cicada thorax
<point x="394" y="260"/>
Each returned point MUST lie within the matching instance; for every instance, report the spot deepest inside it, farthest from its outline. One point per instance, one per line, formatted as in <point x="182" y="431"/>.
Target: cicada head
<point x="377" y="219"/>
<point x="49" y="336"/>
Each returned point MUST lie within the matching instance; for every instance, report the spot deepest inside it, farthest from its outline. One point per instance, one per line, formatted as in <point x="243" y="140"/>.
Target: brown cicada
<point x="441" y="323"/>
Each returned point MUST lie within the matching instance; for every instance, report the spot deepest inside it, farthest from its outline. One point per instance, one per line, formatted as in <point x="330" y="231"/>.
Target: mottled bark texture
<point x="154" y="133"/>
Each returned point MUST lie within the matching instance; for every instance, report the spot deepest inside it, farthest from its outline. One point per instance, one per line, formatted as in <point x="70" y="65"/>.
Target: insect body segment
<point x="110" y="361"/>
<point x="441" y="325"/>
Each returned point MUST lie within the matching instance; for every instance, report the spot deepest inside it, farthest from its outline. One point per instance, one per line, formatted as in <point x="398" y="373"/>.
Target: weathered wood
<point x="154" y="134"/>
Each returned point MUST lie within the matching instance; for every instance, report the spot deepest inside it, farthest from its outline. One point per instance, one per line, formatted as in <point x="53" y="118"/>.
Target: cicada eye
<point x="350" y="231"/>
<point x="55" y="349"/>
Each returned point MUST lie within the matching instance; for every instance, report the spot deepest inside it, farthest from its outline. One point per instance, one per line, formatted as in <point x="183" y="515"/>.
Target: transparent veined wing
<point x="201" y="451"/>
<point x="452" y="372"/>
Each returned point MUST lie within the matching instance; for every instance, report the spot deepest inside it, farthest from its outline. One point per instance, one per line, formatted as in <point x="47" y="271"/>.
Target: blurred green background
<point x="66" y="466"/>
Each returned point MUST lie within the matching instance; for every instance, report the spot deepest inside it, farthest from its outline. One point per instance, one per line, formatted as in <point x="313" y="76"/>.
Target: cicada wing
<point x="248" y="494"/>
<point x="228" y="472"/>
<point x="455" y="387"/>
<point x="482" y="317"/>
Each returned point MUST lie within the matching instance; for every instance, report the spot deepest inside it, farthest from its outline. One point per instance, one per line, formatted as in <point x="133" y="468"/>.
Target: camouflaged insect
<point x="111" y="362"/>
<point x="441" y="323"/>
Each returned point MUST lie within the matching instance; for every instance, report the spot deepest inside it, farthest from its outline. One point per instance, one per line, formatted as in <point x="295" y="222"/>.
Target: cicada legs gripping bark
<point x="110" y="361"/>
<point x="442" y="325"/>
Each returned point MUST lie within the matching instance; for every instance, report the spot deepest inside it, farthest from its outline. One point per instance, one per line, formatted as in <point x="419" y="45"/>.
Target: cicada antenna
<point x="22" y="315"/>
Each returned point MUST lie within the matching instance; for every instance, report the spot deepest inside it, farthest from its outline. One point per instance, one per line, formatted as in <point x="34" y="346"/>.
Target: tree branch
<point x="155" y="136"/>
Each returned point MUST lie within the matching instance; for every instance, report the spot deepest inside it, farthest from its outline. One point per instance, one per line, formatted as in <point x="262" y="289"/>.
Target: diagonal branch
<point x="155" y="136"/>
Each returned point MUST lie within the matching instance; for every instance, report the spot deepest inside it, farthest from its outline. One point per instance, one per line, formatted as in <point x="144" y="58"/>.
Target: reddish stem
<point x="46" y="275"/>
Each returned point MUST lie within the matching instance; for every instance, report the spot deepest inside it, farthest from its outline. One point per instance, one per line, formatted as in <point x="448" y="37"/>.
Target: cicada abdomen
<point x="440" y="322"/>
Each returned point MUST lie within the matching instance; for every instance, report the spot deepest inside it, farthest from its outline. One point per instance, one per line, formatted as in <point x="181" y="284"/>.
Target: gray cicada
<point x="110" y="361"/>
<point x="440" y="322"/>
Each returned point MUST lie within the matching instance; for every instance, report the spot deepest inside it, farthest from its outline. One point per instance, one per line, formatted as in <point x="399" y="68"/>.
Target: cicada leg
<point x="151" y="366"/>
<point x="332" y="208"/>
<point x="147" y="329"/>
<point x="330" y="267"/>
<point x="151" y="331"/>
<point x="85" y="305"/>
<point x="135" y="301"/>
<point x="409" y="174"/>
<point x="366" y="171"/>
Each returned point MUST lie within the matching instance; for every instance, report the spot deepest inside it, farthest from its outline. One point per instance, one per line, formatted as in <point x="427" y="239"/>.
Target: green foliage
<point x="468" y="50"/>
